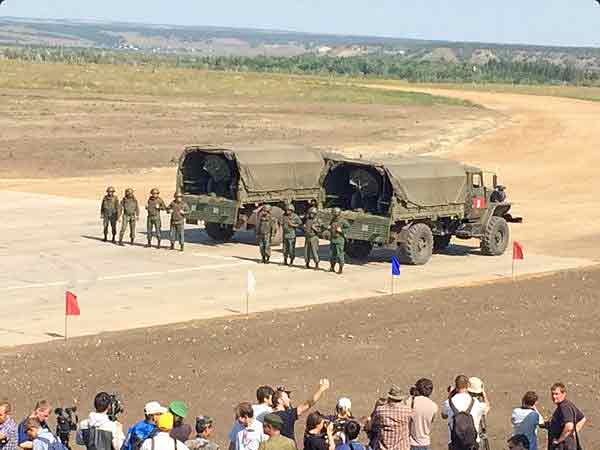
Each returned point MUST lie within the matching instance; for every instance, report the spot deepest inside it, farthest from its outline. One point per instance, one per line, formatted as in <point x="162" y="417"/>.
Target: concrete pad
<point x="52" y="244"/>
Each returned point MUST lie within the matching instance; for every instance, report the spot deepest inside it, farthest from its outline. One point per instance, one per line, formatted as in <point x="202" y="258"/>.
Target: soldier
<point x="178" y="210"/>
<point x="131" y="214"/>
<point x="109" y="212"/>
<point x="291" y="222"/>
<point x="337" y="240"/>
<point x="312" y="229"/>
<point x="265" y="231"/>
<point x="154" y="207"/>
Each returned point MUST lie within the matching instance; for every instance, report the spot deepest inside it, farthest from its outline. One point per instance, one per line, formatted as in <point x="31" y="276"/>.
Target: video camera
<point x="66" y="422"/>
<point x="115" y="408"/>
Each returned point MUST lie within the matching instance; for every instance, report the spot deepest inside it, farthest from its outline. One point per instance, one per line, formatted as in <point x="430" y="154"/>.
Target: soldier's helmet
<point x="267" y="208"/>
<point x="290" y="208"/>
<point x="312" y="211"/>
<point x="128" y="191"/>
<point x="336" y="212"/>
<point x="178" y="195"/>
<point x="110" y="189"/>
<point x="155" y="191"/>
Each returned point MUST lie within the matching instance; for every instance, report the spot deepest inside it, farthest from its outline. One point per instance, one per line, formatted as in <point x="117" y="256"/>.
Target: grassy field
<point x="113" y="79"/>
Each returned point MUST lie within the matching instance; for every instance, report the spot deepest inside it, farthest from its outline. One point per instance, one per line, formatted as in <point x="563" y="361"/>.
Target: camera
<point x="66" y="422"/>
<point x="115" y="408"/>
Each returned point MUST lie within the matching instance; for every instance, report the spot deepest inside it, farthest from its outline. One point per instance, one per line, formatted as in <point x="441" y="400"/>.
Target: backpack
<point x="137" y="440"/>
<point x="464" y="434"/>
<point x="96" y="439"/>
<point x="56" y="444"/>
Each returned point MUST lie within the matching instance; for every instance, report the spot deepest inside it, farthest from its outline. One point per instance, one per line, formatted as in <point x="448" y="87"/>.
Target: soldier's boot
<point x="105" y="237"/>
<point x="149" y="244"/>
<point x="158" y="244"/>
<point x="307" y="264"/>
<point x="121" y="243"/>
<point x="114" y="239"/>
<point x="341" y="269"/>
<point x="132" y="240"/>
<point x="285" y="261"/>
<point x="172" y="245"/>
<point x="332" y="267"/>
<point x="291" y="262"/>
<point x="267" y="259"/>
<point x="316" y="266"/>
<point x="181" y="247"/>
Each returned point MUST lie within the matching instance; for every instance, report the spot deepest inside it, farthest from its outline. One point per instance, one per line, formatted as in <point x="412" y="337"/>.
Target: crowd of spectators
<point x="397" y="422"/>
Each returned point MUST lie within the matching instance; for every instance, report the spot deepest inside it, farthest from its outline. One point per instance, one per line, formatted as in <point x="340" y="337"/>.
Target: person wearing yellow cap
<point x="162" y="440"/>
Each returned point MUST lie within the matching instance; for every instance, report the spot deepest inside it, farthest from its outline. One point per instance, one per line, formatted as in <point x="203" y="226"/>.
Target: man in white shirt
<point x="461" y="400"/>
<point x="264" y="394"/>
<point x="163" y="440"/>
<point x="249" y="434"/>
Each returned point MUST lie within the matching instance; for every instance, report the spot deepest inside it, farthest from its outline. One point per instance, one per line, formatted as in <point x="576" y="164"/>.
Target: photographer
<point x="424" y="410"/>
<point x="8" y="428"/>
<point x="318" y="434"/>
<point x="41" y="412"/>
<point x="98" y="432"/>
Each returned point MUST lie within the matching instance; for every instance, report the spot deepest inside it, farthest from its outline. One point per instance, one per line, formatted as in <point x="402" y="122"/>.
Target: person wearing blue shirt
<point x="41" y="412"/>
<point x="144" y="429"/>
<point x="351" y="432"/>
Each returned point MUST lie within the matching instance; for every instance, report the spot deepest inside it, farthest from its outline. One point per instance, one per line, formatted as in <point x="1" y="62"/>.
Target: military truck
<point x="226" y="188"/>
<point x="415" y="205"/>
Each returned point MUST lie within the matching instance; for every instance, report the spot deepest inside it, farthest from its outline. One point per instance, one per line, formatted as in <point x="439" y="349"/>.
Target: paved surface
<point x="51" y="244"/>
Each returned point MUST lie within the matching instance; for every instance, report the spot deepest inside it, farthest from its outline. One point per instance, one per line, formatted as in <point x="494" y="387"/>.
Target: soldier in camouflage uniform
<point x="154" y="207"/>
<point x="291" y="222"/>
<point x="312" y="230"/>
<point x="130" y="215"/>
<point x="337" y="240"/>
<point x="265" y="231"/>
<point x="178" y="210"/>
<point x="109" y="212"/>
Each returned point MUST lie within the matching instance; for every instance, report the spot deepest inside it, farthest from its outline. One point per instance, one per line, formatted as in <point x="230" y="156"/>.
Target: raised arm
<point x="307" y="404"/>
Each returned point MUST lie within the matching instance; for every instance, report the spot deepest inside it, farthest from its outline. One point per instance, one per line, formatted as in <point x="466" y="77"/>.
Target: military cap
<point x="110" y="189"/>
<point x="290" y="207"/>
<point x="178" y="195"/>
<point x="128" y="191"/>
<point x="267" y="208"/>
<point x="337" y="211"/>
<point x="274" y="420"/>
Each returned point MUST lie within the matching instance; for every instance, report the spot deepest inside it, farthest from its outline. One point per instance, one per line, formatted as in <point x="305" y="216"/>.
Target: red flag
<point x="71" y="305"/>
<point x="517" y="250"/>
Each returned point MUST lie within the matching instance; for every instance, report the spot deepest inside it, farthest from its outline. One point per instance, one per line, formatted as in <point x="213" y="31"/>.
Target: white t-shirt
<point x="247" y="438"/>
<point x="260" y="411"/>
<point x="163" y="441"/>
<point x="461" y="402"/>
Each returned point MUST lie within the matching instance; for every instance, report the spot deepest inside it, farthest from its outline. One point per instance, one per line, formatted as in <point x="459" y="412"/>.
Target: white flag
<point x="251" y="288"/>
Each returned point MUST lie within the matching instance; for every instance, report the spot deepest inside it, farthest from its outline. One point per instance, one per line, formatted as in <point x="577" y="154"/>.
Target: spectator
<point x="368" y="423"/>
<point x="424" y="412"/>
<point x="145" y="428"/>
<point x="391" y="423"/>
<point x="351" y="432"/>
<point x="343" y="413"/>
<point x="40" y="437"/>
<point x="181" y="431"/>
<point x="518" y="442"/>
<point x="41" y="412"/>
<point x="283" y="408"/>
<point x="527" y="419"/>
<point x="264" y="396"/>
<point x="566" y="423"/>
<point x="204" y="429"/>
<point x="476" y="391"/>
<point x="317" y="436"/>
<point x="459" y="401"/>
<point x="272" y="426"/>
<point x="8" y="428"/>
<point x="98" y="432"/>
<point x="162" y="439"/>
<point x="248" y="433"/>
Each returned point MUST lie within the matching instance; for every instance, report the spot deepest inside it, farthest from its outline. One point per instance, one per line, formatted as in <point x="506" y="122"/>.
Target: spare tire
<point x="219" y="232"/>
<point x="495" y="237"/>
<point x="416" y="244"/>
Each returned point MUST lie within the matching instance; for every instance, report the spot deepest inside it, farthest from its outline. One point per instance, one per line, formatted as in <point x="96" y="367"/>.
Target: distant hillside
<point x="217" y="41"/>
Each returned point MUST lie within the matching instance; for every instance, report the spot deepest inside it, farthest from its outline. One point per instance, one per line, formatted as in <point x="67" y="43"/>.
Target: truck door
<point x="477" y="205"/>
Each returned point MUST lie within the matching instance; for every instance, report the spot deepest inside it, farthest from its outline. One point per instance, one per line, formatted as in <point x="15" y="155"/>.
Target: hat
<point x="154" y="408"/>
<point x="284" y="389"/>
<point x="203" y="422"/>
<point x="395" y="393"/>
<point x="165" y="421"/>
<point x="475" y="385"/>
<point x="344" y="403"/>
<point x="274" y="420"/>
<point x="178" y="408"/>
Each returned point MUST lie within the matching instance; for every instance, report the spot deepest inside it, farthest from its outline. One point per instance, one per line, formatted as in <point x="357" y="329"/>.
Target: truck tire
<point x="219" y="232"/>
<point x="495" y="237"/>
<point x="416" y="246"/>
<point x="359" y="250"/>
<point x="441" y="243"/>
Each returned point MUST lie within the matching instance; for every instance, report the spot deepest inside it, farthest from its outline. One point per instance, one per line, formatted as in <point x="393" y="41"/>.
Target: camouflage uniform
<point x="153" y="224"/>
<point x="109" y="211"/>
<point x="337" y="240"/>
<point x="265" y="230"/>
<point x="312" y="229"/>
<point x="178" y="210"/>
<point x="131" y="213"/>
<point x="291" y="221"/>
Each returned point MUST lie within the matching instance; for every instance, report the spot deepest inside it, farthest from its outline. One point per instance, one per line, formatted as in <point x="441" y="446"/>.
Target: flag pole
<point x="66" y="317"/>
<point x="247" y="303"/>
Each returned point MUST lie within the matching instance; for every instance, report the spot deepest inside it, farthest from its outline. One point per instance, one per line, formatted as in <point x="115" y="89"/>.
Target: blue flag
<point x="395" y="266"/>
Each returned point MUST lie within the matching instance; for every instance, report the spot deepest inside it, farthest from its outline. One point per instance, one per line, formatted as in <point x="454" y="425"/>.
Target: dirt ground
<point x="516" y="336"/>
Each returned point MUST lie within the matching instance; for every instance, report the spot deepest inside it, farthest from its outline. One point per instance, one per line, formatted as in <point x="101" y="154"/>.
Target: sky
<point x="549" y="22"/>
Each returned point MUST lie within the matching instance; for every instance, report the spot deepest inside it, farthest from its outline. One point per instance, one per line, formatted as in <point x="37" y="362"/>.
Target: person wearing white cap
<point x="144" y="429"/>
<point x="477" y="391"/>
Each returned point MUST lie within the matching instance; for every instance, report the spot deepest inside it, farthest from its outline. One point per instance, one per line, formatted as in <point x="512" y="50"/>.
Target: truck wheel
<point x="441" y="243"/>
<point x="219" y="232"/>
<point x="495" y="237"/>
<point x="416" y="246"/>
<point x="359" y="250"/>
